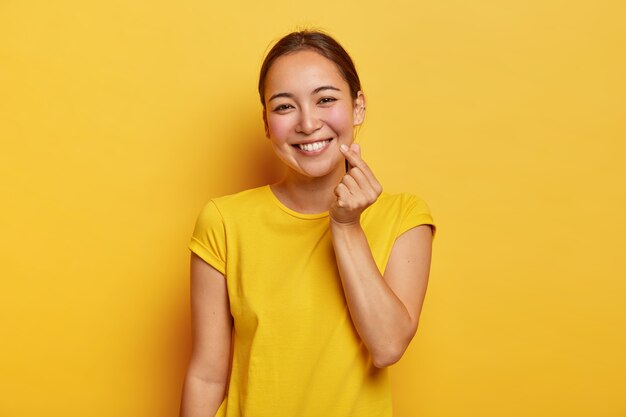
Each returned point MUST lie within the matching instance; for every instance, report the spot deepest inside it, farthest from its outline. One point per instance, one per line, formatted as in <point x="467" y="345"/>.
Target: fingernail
<point x="343" y="147"/>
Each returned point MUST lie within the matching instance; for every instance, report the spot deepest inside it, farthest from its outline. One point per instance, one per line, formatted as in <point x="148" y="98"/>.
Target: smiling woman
<point x="305" y="290"/>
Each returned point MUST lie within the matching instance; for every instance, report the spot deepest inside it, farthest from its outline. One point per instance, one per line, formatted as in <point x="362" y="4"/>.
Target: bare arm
<point x="384" y="309"/>
<point x="208" y="370"/>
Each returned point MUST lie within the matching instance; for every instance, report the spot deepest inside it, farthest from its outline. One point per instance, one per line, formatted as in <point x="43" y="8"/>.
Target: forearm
<point x="201" y="398"/>
<point x="379" y="316"/>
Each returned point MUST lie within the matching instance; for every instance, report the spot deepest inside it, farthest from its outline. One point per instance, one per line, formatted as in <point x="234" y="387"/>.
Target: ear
<point x="267" y="129"/>
<point x="359" y="108"/>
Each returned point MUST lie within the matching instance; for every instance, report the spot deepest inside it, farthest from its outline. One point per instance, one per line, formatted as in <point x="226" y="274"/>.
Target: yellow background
<point x="119" y="119"/>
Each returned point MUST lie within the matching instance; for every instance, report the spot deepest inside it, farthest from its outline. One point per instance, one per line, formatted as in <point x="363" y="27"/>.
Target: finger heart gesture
<point x="357" y="190"/>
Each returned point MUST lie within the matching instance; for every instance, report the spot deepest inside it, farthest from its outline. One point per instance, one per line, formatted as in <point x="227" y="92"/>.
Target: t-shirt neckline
<point x="305" y="216"/>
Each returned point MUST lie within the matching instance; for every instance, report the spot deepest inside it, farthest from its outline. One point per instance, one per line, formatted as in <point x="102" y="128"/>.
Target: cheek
<point x="340" y="119"/>
<point x="278" y="127"/>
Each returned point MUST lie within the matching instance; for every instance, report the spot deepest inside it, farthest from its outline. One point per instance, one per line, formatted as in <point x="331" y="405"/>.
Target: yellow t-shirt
<point x="296" y="351"/>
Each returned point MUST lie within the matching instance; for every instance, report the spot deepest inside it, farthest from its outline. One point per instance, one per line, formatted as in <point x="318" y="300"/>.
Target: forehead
<point x="303" y="70"/>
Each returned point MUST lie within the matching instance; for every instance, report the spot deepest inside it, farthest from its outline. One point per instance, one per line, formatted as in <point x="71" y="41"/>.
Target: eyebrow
<point x="325" y="87"/>
<point x="317" y="90"/>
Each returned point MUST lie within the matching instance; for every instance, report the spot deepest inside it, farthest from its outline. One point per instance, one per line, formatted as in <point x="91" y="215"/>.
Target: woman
<point x="319" y="278"/>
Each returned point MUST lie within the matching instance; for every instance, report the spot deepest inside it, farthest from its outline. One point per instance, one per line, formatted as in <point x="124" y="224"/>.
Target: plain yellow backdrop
<point x="119" y="119"/>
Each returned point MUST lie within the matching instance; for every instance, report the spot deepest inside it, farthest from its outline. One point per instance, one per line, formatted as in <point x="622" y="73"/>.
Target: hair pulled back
<point x="316" y="41"/>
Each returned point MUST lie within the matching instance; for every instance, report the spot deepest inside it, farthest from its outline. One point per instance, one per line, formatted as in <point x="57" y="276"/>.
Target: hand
<point x="357" y="190"/>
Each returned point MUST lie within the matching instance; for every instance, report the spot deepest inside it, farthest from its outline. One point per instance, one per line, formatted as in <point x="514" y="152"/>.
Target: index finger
<point x="355" y="160"/>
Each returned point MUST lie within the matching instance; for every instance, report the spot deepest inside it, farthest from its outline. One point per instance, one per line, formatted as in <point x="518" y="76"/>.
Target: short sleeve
<point x="208" y="239"/>
<point x="415" y="213"/>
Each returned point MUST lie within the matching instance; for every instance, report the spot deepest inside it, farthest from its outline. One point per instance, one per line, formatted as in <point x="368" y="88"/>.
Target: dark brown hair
<point x="319" y="42"/>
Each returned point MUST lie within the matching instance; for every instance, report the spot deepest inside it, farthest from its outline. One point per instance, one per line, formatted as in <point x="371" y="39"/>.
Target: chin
<point x="320" y="170"/>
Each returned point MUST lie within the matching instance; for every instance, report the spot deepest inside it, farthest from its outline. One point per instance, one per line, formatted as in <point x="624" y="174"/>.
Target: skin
<point x="307" y="100"/>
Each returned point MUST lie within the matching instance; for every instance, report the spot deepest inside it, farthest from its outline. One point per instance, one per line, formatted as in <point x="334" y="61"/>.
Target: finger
<point x="351" y="183"/>
<point x="355" y="160"/>
<point x="341" y="190"/>
<point x="365" y="169"/>
<point x="362" y="181"/>
<point x="353" y="156"/>
<point x="356" y="148"/>
<point x="342" y="193"/>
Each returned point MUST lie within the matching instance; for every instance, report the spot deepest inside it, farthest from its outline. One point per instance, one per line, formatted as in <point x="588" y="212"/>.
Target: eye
<point x="281" y="108"/>
<point x="327" y="100"/>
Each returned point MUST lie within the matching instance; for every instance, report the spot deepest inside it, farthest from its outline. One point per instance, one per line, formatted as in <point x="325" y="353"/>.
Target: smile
<point x="313" y="146"/>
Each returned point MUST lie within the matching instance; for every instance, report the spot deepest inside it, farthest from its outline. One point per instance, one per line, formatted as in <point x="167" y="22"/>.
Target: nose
<point x="309" y="121"/>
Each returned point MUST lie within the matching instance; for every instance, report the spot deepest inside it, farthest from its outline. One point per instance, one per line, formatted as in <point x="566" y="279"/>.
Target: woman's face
<point x="309" y="113"/>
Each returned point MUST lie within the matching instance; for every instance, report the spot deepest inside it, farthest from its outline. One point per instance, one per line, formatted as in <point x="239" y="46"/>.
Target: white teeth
<point x="310" y="147"/>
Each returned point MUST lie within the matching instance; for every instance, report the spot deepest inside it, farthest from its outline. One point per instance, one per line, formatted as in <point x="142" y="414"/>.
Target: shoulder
<point x="217" y="210"/>
<point x="250" y="194"/>
<point x="400" y="201"/>
<point x="239" y="201"/>
<point x="405" y="210"/>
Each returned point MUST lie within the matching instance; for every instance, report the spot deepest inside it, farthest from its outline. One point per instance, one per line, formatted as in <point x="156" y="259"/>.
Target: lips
<point x="313" y="146"/>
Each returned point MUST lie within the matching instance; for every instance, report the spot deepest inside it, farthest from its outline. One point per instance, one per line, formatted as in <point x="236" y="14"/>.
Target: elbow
<point x="391" y="353"/>
<point x="383" y="361"/>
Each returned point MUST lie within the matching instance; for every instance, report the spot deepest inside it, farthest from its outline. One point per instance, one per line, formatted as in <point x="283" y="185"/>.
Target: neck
<point x="305" y="194"/>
